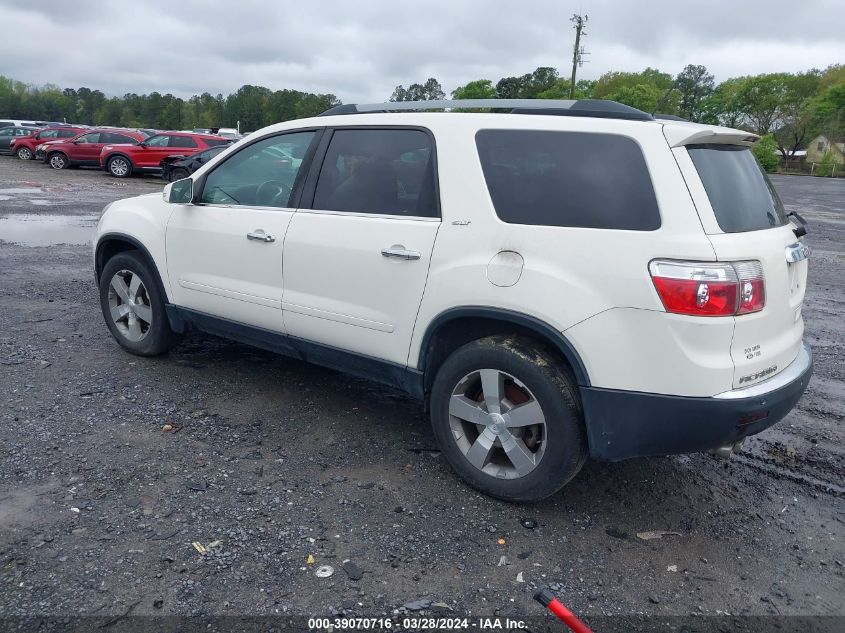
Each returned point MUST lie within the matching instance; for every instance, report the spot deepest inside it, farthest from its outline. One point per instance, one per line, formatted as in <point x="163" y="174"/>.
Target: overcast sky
<point x="360" y="50"/>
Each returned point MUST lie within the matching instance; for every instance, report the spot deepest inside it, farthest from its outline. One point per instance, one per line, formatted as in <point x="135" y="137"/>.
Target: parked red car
<point x="84" y="149"/>
<point x="121" y="161"/>
<point x="24" y="146"/>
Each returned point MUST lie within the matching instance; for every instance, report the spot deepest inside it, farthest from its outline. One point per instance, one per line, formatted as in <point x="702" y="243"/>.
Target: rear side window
<point x="742" y="197"/>
<point x="379" y="171"/>
<point x="217" y="142"/>
<point x="93" y="137"/>
<point x="568" y="179"/>
<point x="67" y="133"/>
<point x="111" y="137"/>
<point x="182" y="141"/>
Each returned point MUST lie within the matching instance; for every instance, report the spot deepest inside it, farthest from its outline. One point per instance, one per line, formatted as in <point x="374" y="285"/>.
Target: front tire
<point x="178" y="174"/>
<point x="24" y="153"/>
<point x="507" y="416"/>
<point x="133" y="306"/>
<point x="58" y="161"/>
<point x="119" y="166"/>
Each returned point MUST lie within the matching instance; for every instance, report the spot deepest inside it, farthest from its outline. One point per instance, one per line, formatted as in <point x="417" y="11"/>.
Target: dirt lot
<point x="278" y="461"/>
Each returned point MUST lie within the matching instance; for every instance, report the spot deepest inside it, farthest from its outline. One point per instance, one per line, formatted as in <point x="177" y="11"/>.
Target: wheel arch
<point x="110" y="244"/>
<point x="458" y="326"/>
<point x="115" y="154"/>
<point x="58" y="151"/>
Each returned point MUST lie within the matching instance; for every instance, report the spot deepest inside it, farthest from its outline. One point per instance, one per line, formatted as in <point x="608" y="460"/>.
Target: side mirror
<point x="142" y="144"/>
<point x="179" y="192"/>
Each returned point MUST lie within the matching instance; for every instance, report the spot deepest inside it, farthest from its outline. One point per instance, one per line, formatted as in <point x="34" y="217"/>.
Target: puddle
<point x="46" y="230"/>
<point x="22" y="190"/>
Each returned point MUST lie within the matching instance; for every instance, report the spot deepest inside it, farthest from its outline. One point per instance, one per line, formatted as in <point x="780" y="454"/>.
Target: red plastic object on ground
<point x="548" y="600"/>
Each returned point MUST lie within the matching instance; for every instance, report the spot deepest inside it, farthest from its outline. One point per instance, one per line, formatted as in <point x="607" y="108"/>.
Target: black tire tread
<point x="162" y="338"/>
<point x="560" y="390"/>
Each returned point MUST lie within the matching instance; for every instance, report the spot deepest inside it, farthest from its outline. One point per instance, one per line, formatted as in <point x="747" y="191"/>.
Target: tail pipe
<point x="547" y="599"/>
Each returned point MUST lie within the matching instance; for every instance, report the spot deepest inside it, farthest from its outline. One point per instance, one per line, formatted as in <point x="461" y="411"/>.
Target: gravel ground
<point x="271" y="463"/>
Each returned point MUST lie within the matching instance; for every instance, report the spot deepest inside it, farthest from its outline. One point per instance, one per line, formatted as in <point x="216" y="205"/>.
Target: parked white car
<point x="569" y="279"/>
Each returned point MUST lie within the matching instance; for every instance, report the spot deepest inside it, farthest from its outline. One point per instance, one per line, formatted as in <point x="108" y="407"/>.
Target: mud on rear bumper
<point x="623" y="424"/>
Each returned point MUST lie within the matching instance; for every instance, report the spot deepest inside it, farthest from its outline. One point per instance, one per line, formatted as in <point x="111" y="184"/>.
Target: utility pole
<point x="578" y="22"/>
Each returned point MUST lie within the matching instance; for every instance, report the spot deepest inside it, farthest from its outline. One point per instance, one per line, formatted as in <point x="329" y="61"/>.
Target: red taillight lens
<point x="683" y="296"/>
<point x="709" y="289"/>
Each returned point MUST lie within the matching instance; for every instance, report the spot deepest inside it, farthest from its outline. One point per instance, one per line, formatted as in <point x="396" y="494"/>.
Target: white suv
<point x="561" y="280"/>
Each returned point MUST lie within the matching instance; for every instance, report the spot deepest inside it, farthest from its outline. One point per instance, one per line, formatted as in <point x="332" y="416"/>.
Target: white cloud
<point x="361" y="50"/>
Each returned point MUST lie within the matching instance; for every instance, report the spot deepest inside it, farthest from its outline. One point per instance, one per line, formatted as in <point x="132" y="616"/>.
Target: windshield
<point x="742" y="197"/>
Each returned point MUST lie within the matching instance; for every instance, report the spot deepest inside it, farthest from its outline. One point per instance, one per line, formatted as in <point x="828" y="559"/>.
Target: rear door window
<point x="93" y="137"/>
<point x="379" y="171"/>
<point x="214" y="142"/>
<point x="182" y="141"/>
<point x="568" y="179"/>
<point x="742" y="197"/>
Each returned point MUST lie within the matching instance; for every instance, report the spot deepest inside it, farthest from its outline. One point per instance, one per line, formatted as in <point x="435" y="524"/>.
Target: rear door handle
<point x="259" y="235"/>
<point x="397" y="251"/>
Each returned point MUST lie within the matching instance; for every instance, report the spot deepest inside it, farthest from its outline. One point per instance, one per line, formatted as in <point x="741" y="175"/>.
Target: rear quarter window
<point x="568" y="179"/>
<point x="742" y="197"/>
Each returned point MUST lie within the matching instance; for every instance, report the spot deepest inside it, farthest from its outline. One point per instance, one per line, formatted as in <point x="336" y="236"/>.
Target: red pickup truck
<point x="122" y="160"/>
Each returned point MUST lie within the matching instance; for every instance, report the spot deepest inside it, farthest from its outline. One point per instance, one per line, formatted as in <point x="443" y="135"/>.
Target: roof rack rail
<point x="670" y="117"/>
<point x="598" y="108"/>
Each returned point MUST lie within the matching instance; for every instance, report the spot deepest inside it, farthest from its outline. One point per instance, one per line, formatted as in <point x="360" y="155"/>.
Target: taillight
<point x="709" y="289"/>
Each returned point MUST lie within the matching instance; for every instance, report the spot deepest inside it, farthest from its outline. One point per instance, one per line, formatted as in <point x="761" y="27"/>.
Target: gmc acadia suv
<point x="563" y="280"/>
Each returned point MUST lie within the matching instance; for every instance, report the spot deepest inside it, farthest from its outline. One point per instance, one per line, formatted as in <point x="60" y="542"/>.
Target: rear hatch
<point x="745" y="220"/>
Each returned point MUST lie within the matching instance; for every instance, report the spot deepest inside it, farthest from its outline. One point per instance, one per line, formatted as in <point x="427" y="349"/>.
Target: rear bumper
<point x="623" y="424"/>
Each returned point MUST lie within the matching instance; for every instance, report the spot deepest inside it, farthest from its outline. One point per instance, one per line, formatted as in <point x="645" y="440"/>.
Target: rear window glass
<point x="570" y="179"/>
<point x="742" y="197"/>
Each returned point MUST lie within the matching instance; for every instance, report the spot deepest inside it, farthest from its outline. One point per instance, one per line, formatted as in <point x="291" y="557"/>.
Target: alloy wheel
<point x="119" y="166"/>
<point x="129" y="305"/>
<point x="57" y="161"/>
<point x="24" y="153"/>
<point x="497" y="424"/>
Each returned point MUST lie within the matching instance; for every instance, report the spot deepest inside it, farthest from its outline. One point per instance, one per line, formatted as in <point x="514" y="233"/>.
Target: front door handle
<point x="397" y="251"/>
<point x="259" y="235"/>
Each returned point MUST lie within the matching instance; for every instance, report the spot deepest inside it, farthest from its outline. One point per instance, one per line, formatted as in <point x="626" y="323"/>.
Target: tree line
<point x="253" y="106"/>
<point x="790" y="107"/>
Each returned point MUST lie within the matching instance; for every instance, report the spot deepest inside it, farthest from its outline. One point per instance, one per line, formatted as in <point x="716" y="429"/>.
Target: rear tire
<point x="119" y="166"/>
<point x="535" y="444"/>
<point x="178" y="174"/>
<point x="58" y="161"/>
<point x="24" y="153"/>
<point x="133" y="306"/>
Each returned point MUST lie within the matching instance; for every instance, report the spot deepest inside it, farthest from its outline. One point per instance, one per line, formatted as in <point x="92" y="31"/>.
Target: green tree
<point x="428" y="91"/>
<point x="796" y="114"/>
<point x="694" y="84"/>
<point x="723" y="107"/>
<point x="761" y="98"/>
<point x="478" y="89"/>
<point x="766" y="152"/>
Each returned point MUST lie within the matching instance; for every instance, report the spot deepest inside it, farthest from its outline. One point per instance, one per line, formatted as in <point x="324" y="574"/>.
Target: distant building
<point x="820" y="145"/>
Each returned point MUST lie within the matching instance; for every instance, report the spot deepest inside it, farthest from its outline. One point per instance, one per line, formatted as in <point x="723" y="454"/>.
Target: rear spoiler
<point x="679" y="134"/>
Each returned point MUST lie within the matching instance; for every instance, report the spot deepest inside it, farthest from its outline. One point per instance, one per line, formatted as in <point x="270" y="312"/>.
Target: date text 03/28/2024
<point x="415" y="624"/>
